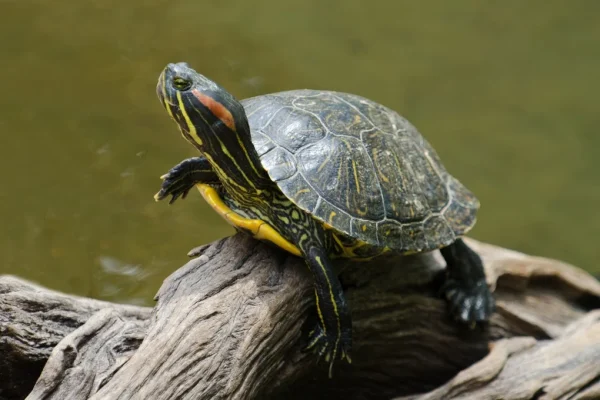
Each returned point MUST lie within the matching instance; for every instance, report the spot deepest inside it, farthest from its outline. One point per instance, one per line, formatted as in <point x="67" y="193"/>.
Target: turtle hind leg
<point x="465" y="287"/>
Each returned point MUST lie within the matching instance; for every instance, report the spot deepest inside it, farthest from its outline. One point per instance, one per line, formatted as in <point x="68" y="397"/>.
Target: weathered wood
<point x="231" y="322"/>
<point x="33" y="320"/>
<point x="89" y="357"/>
<point x="523" y="368"/>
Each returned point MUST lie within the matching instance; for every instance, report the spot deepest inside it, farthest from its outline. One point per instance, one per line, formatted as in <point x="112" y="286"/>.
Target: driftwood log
<point x="231" y="323"/>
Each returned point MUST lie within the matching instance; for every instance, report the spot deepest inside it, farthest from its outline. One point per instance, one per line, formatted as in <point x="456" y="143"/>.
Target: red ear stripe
<point x="218" y="109"/>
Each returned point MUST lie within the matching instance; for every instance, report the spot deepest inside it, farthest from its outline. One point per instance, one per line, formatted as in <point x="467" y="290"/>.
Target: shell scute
<point x="359" y="168"/>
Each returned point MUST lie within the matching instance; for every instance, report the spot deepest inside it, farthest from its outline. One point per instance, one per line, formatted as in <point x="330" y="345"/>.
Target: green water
<point x="506" y="91"/>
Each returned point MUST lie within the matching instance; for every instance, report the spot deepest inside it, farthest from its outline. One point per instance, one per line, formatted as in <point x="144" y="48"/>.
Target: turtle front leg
<point x="182" y="177"/>
<point x="466" y="289"/>
<point x="332" y="337"/>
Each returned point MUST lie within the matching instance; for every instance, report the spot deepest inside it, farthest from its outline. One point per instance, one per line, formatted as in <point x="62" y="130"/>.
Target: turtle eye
<point x="181" y="83"/>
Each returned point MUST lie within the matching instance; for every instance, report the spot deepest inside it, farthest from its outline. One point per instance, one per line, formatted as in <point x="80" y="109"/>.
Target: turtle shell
<point x="359" y="168"/>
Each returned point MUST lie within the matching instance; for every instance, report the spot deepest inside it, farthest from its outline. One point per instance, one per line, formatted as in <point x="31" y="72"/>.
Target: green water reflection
<point x="507" y="92"/>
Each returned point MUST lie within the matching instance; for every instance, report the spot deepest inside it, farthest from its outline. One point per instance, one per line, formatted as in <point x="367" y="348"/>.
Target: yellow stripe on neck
<point x="258" y="228"/>
<point x="191" y="128"/>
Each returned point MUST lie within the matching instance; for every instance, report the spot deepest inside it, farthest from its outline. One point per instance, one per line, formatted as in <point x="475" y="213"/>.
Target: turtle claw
<point x="184" y="176"/>
<point x="469" y="305"/>
<point x="315" y="339"/>
<point x="175" y="194"/>
<point x="328" y="347"/>
<point x="469" y="298"/>
<point x="176" y="183"/>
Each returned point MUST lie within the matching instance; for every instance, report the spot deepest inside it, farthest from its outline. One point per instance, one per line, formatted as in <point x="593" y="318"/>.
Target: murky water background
<point x="507" y="92"/>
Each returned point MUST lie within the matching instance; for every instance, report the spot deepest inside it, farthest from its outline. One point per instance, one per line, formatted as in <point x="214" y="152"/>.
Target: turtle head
<point x="212" y="120"/>
<point x="199" y="106"/>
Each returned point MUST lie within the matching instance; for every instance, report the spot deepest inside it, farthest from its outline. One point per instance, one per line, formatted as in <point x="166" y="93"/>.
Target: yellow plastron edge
<point x="259" y="229"/>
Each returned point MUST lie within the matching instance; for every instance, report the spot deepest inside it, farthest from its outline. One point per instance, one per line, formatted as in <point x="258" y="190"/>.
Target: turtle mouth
<point x="164" y="94"/>
<point x="167" y="103"/>
<point x="163" y="86"/>
<point x="170" y="103"/>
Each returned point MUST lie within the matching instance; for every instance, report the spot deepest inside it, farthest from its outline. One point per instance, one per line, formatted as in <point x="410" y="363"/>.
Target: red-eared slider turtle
<point x="324" y="174"/>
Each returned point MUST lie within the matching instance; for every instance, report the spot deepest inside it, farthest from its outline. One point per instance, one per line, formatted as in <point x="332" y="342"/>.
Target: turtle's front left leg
<point x="182" y="177"/>
<point x="332" y="337"/>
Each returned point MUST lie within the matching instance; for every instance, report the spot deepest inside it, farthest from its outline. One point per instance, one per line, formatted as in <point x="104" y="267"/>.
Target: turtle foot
<point x="472" y="304"/>
<point x="329" y="347"/>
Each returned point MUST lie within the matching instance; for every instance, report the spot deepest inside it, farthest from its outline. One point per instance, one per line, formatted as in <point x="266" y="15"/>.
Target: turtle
<point x="325" y="175"/>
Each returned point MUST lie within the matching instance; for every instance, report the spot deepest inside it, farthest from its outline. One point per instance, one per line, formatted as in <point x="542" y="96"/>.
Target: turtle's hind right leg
<point x="465" y="288"/>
